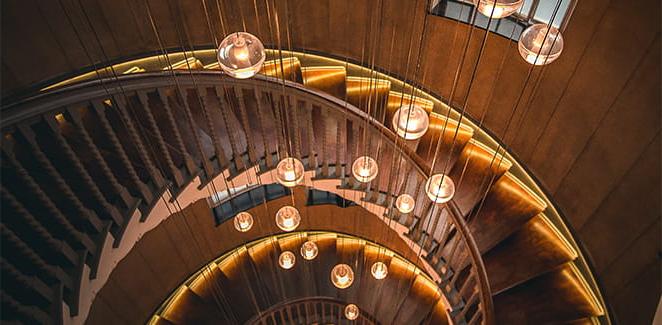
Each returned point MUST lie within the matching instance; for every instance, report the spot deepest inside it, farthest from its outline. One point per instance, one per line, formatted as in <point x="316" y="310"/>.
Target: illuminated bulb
<point x="405" y="203"/>
<point x="243" y="221"/>
<point x="501" y="8"/>
<point x="309" y="250"/>
<point x="411" y="122"/>
<point x="352" y="312"/>
<point x="440" y="188"/>
<point x="537" y="49"/>
<point x="286" y="260"/>
<point x="289" y="172"/>
<point x="241" y="55"/>
<point x="342" y="276"/>
<point x="288" y="218"/>
<point x="379" y="270"/>
<point x="365" y="169"/>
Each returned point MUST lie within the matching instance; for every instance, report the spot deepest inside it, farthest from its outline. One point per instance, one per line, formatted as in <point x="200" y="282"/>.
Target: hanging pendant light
<point x="411" y="121"/>
<point x="287" y="260"/>
<point x="289" y="172"/>
<point x="405" y="203"/>
<point x="498" y="8"/>
<point x="241" y="55"/>
<point x="309" y="250"/>
<point x="379" y="270"/>
<point x="342" y="276"/>
<point x="440" y="188"/>
<point x="243" y="221"/>
<point x="365" y="169"/>
<point x="352" y="312"/>
<point x="288" y="218"/>
<point x="540" y="44"/>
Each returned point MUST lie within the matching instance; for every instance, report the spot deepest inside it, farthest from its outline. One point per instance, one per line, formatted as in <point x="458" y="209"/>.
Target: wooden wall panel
<point x="595" y="111"/>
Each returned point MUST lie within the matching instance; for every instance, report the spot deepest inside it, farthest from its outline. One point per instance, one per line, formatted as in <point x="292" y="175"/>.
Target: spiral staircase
<point x="197" y="301"/>
<point x="78" y="163"/>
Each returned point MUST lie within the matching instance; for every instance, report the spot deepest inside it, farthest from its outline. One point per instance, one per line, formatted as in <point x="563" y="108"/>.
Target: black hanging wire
<point x="510" y="119"/>
<point x="216" y="290"/>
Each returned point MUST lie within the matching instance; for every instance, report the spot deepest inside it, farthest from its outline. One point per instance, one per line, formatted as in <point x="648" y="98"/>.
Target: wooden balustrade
<point x="243" y="123"/>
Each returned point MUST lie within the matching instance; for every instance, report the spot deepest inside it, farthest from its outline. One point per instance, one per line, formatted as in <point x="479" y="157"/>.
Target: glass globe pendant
<point x="243" y="221"/>
<point x="289" y="172"/>
<point x="440" y="188"/>
<point x="379" y="270"/>
<point x="309" y="250"/>
<point x="352" y="312"/>
<point x="411" y="122"/>
<point x="540" y="44"/>
<point x="405" y="203"/>
<point x="342" y="276"/>
<point x="288" y="218"/>
<point x="498" y="8"/>
<point x="365" y="169"/>
<point x="241" y="55"/>
<point x="287" y="260"/>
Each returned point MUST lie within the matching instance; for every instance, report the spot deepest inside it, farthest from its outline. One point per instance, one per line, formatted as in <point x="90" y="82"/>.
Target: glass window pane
<point x="526" y="8"/>
<point x="545" y="11"/>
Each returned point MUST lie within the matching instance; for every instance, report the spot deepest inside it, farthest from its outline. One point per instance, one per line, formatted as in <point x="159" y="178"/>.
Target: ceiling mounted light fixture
<point x="287" y="260"/>
<point x="241" y="55"/>
<point x="352" y="312"/>
<point x="411" y="121"/>
<point x="289" y="172"/>
<point x="288" y="218"/>
<point x="309" y="250"/>
<point x="243" y="221"/>
<point x="498" y="8"/>
<point x="440" y="188"/>
<point x="540" y="44"/>
<point x="379" y="270"/>
<point x="365" y="169"/>
<point x="342" y="276"/>
<point x="405" y="203"/>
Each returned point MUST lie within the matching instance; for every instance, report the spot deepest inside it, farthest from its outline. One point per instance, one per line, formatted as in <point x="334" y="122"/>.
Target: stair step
<point x="556" y="296"/>
<point x="329" y="79"/>
<point x="532" y="250"/>
<point x="369" y="94"/>
<point x="288" y="68"/>
<point x="453" y="136"/>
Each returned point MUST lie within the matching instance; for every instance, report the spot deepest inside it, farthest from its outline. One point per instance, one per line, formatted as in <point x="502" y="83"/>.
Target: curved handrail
<point x="260" y="319"/>
<point x="99" y="88"/>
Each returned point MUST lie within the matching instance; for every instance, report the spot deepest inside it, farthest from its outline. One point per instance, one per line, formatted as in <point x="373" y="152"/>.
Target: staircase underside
<point x="81" y="162"/>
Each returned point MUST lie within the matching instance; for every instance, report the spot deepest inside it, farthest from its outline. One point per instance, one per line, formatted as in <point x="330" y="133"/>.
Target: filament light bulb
<point x="498" y="8"/>
<point x="289" y="172"/>
<point x="540" y="44"/>
<point x="411" y="122"/>
<point x="309" y="250"/>
<point x="286" y="260"/>
<point x="288" y="218"/>
<point x="440" y="188"/>
<point x="352" y="312"/>
<point x="241" y="55"/>
<point x="405" y="203"/>
<point x="379" y="270"/>
<point x="243" y="221"/>
<point x="365" y="169"/>
<point x="342" y="276"/>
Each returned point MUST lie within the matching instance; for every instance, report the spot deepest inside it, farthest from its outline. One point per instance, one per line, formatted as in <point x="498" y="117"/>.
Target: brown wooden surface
<point x="183" y="243"/>
<point x="587" y="133"/>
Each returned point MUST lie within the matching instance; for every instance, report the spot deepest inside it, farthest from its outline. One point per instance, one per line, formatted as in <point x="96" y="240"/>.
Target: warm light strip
<point x="558" y="234"/>
<point x="595" y="302"/>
